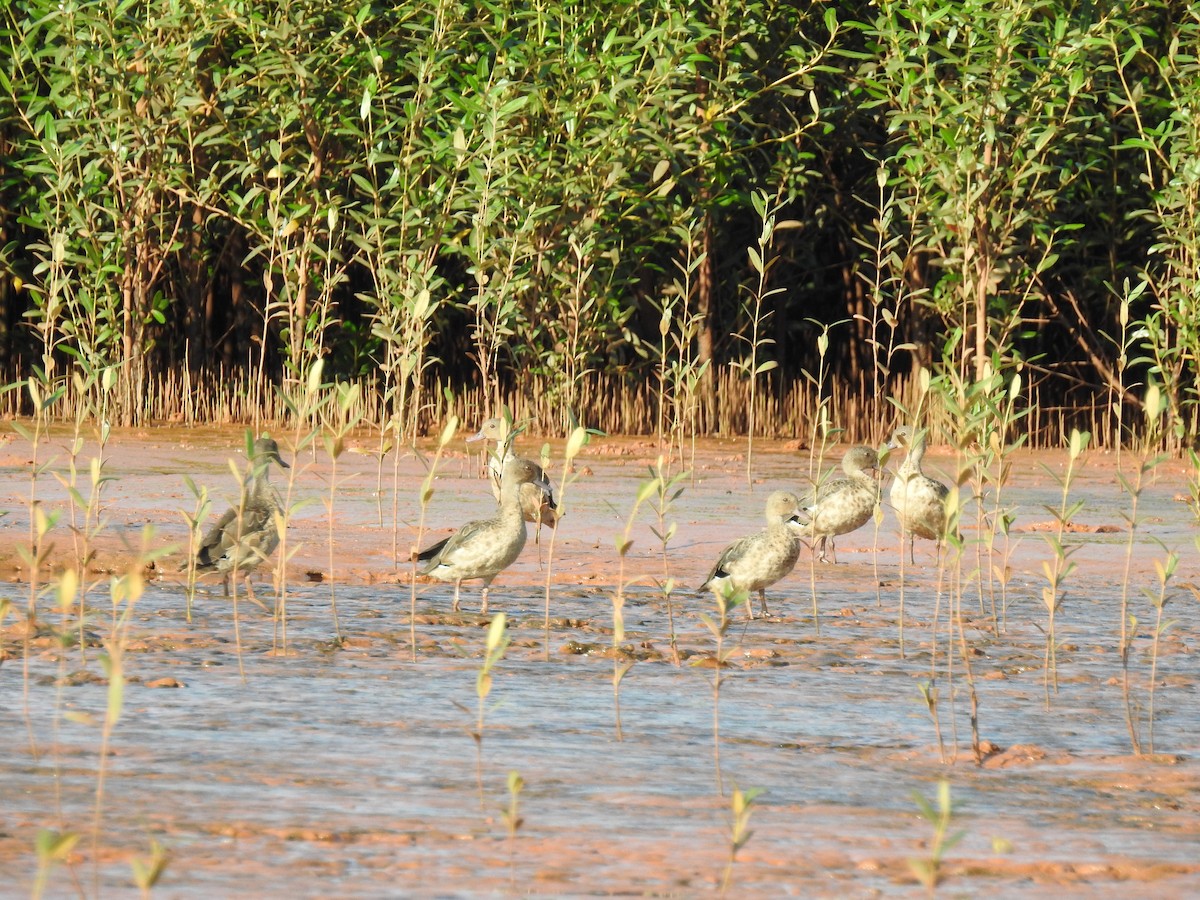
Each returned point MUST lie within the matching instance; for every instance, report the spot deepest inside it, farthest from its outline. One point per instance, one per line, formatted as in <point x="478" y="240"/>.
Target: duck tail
<point x="431" y="551"/>
<point x="204" y="561"/>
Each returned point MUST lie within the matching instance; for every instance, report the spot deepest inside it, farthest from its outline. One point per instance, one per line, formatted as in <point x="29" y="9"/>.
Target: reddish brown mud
<point x="273" y="754"/>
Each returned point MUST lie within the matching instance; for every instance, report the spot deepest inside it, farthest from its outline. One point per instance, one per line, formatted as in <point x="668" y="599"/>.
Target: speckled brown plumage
<point x="843" y="504"/>
<point x="245" y="536"/>
<point x="486" y="547"/>
<point x="919" y="501"/>
<point x="537" y="502"/>
<point x="757" y="561"/>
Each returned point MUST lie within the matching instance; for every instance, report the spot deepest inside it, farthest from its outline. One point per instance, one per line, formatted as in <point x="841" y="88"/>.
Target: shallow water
<point x="351" y="770"/>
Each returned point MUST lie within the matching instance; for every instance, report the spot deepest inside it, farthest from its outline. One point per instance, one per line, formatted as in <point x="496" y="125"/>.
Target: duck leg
<point x="251" y="597"/>
<point x="822" y="543"/>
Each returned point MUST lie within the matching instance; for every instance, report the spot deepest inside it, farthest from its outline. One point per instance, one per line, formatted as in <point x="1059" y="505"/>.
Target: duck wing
<point x="217" y="541"/>
<point x="432" y="550"/>
<point x="729" y="557"/>
<point x="442" y="551"/>
<point x="229" y="542"/>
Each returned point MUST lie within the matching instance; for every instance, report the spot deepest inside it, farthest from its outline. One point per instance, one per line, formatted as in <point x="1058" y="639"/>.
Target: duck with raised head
<point x="757" y="561"/>
<point x="246" y="534"/>
<point x="919" y="501"/>
<point x="842" y="505"/>
<point x="486" y="547"/>
<point x="537" y="502"/>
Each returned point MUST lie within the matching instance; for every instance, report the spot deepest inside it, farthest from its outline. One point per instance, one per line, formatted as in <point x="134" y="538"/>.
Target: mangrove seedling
<point x="929" y="868"/>
<point x="727" y="599"/>
<point x="741" y="803"/>
<point x="494" y="647"/>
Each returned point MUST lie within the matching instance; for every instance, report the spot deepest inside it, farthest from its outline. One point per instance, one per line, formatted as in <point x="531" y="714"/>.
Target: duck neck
<point x="259" y="486"/>
<point x="510" y="500"/>
<point x="788" y="531"/>
<point x="916" y="452"/>
<point x="865" y="479"/>
<point x="499" y="459"/>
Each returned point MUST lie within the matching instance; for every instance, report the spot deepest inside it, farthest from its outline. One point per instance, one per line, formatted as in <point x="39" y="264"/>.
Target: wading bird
<point x="757" y="561"/>
<point x="247" y="533"/>
<point x="537" y="502"/>
<point x="843" y="504"/>
<point x="919" y="501"/>
<point x="486" y="547"/>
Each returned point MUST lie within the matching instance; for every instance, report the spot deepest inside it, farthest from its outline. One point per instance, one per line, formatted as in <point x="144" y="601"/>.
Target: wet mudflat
<point x="319" y="766"/>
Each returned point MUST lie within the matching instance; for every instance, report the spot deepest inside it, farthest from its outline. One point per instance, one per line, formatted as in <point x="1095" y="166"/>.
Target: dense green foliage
<point x="528" y="198"/>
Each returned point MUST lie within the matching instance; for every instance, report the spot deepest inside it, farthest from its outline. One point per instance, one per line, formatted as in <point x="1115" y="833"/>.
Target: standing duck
<point x="246" y="534"/>
<point x="486" y="547"/>
<point x="537" y="501"/>
<point x="919" y="501"/>
<point x="757" y="561"/>
<point x="843" y="504"/>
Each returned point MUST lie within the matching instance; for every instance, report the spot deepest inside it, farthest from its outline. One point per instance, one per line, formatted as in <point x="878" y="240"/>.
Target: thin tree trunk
<point x="237" y="340"/>
<point x="128" y="281"/>
<point x="705" y="338"/>
<point x="917" y="330"/>
<point x="983" y="276"/>
<point x="199" y="295"/>
<point x="860" y="325"/>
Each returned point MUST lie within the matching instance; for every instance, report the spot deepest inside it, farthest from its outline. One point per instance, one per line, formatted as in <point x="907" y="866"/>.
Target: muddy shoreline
<point x="286" y="756"/>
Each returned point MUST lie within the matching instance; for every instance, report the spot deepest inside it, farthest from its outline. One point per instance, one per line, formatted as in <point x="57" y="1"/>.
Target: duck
<point x="245" y="535"/>
<point x="537" y="502"/>
<point x="757" y="561"/>
<point x="486" y="547"/>
<point x="843" y="504"/>
<point x="919" y="501"/>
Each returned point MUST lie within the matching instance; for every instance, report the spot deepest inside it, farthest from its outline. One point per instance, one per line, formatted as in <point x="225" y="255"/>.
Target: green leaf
<point x="116" y="685"/>
<point x="314" y="377"/>
<point x="576" y="442"/>
<point x="756" y="262"/>
<point x="496" y="632"/>
<point x="646" y="490"/>
<point x="54" y="845"/>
